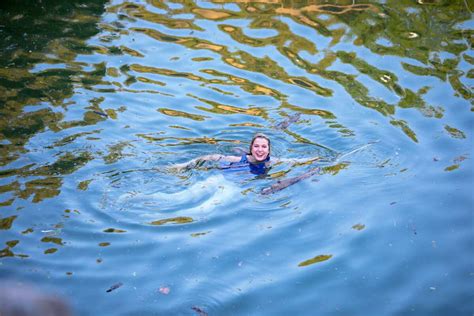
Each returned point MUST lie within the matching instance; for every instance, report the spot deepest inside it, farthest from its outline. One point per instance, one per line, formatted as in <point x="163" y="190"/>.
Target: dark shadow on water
<point x="51" y="34"/>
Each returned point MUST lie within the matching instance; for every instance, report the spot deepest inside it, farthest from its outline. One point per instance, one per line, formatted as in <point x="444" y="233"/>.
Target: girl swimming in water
<point x="257" y="159"/>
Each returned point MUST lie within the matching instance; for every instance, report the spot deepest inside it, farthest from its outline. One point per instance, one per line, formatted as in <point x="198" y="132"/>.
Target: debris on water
<point x="383" y="164"/>
<point x="432" y="288"/>
<point x="460" y="158"/>
<point x="164" y="290"/>
<point x="435" y="159"/>
<point x="199" y="311"/>
<point x="200" y="234"/>
<point x="114" y="287"/>
<point x="393" y="203"/>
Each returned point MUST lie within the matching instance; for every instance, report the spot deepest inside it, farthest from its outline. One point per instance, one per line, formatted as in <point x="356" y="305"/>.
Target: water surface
<point x="98" y="98"/>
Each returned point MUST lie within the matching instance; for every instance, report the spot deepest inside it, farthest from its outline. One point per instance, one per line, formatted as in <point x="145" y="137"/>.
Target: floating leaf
<point x="316" y="259"/>
<point x="104" y="244"/>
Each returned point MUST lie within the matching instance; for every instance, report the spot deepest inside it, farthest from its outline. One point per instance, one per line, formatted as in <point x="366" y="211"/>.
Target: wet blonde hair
<point x="260" y="135"/>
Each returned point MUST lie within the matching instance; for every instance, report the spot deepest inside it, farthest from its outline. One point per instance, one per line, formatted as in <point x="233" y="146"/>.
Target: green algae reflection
<point x="54" y="240"/>
<point x="316" y="259"/>
<point x="6" y="223"/>
<point x="421" y="31"/>
<point x="114" y="230"/>
<point x="7" y="252"/>
<point x="174" y="220"/>
<point x="358" y="226"/>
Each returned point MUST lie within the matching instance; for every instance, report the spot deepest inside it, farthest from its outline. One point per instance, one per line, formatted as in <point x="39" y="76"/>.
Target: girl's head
<point x="260" y="147"/>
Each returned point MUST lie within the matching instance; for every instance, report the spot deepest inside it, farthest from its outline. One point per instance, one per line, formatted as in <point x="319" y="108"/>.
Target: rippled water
<point x="98" y="98"/>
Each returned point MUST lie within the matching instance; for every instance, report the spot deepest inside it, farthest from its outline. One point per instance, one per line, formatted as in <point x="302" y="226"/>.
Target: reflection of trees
<point x="43" y="33"/>
<point x="48" y="35"/>
<point x="423" y="33"/>
<point x="40" y="44"/>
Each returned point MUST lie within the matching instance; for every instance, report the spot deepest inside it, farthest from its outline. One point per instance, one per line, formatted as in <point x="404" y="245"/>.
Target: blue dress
<point x="254" y="168"/>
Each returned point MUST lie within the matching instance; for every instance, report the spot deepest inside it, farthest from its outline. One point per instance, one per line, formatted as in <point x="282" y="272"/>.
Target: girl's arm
<point x="196" y="162"/>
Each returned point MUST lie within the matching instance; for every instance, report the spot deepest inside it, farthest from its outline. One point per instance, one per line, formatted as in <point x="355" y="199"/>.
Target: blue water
<point x="98" y="106"/>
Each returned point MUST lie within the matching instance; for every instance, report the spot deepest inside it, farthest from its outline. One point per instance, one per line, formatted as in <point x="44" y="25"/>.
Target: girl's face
<point x="260" y="149"/>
